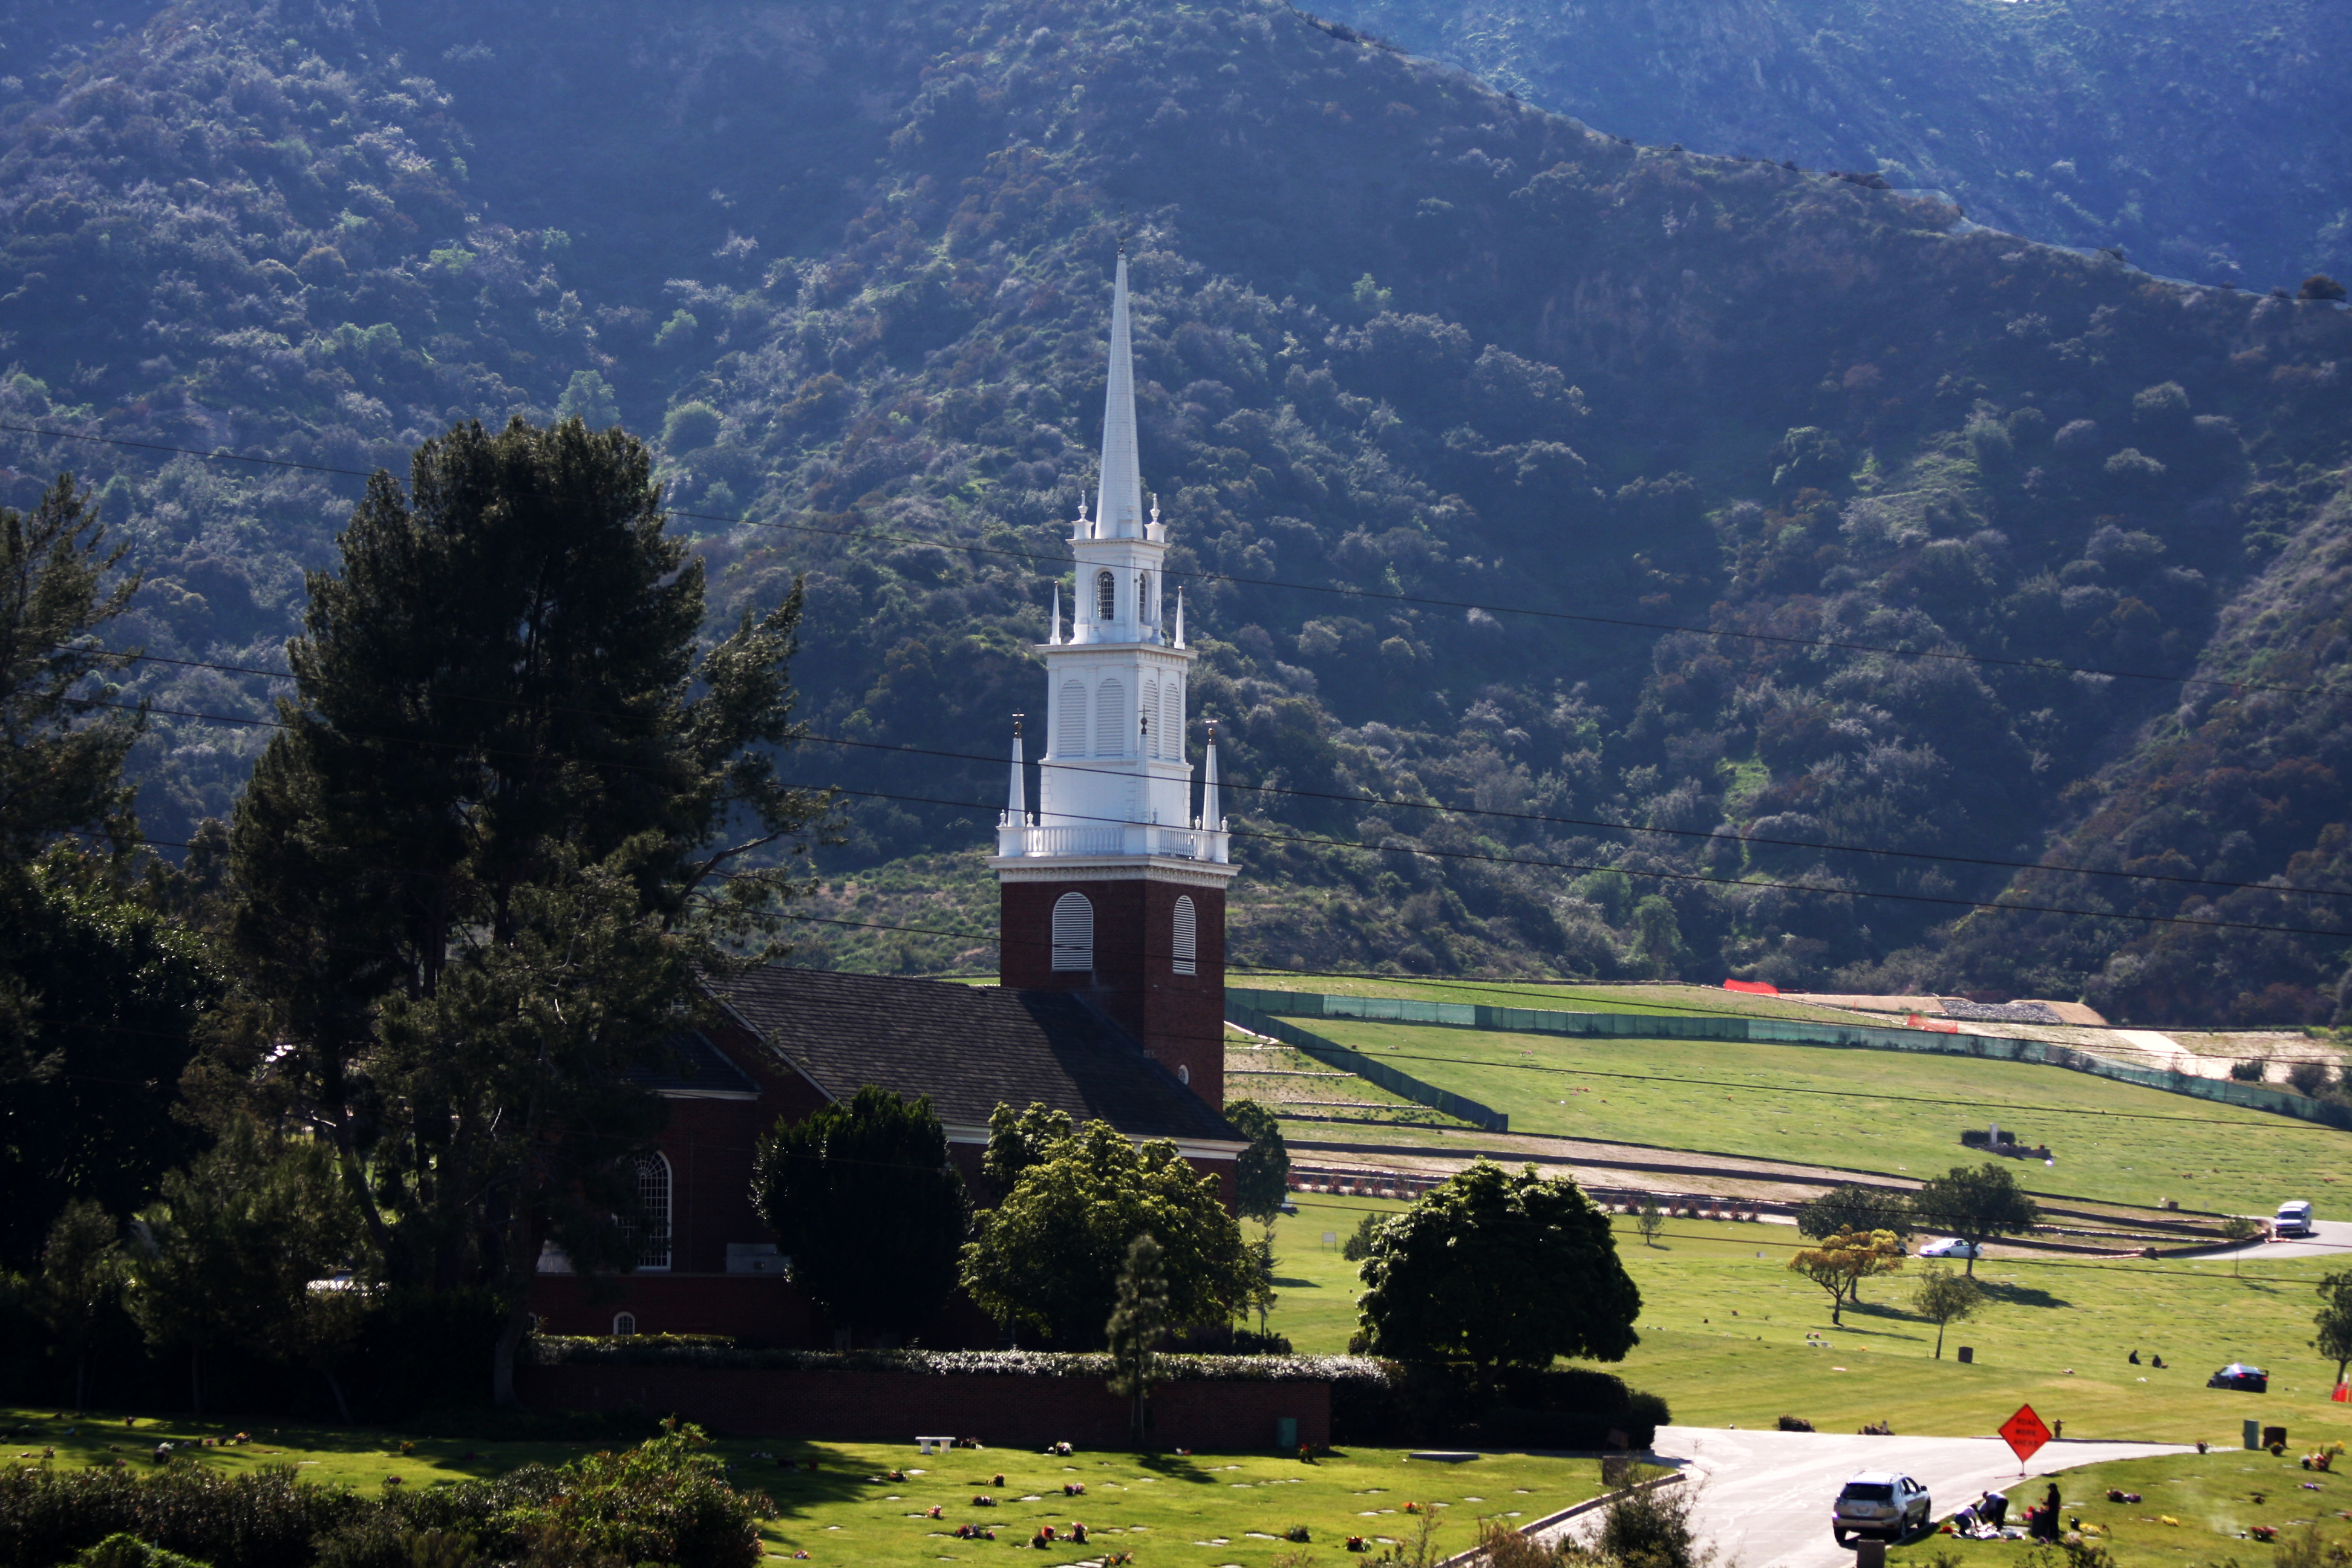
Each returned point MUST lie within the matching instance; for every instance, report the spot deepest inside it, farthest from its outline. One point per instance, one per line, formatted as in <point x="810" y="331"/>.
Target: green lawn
<point x="1196" y="1512"/>
<point x="1874" y="1110"/>
<point x="1723" y="1337"/>
<point x="2209" y="1498"/>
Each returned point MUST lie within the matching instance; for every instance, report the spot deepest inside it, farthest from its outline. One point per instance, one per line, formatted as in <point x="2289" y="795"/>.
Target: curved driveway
<point x="2333" y="1240"/>
<point x="1762" y="1499"/>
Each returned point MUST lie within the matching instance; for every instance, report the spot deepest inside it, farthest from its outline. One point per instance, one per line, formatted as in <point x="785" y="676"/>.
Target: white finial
<point x="1016" y="799"/>
<point x="1055" y="636"/>
<point x="1179" y="618"/>
<point x="1118" y="508"/>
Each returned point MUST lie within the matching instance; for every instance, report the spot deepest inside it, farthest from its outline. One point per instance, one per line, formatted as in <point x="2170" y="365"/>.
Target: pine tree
<point x="1137" y="1325"/>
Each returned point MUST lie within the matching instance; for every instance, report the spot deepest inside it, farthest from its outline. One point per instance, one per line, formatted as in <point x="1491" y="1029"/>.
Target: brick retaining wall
<point x="897" y="1406"/>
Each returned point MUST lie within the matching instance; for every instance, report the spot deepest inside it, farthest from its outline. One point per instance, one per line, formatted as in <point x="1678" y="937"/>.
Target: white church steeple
<point x="1116" y="886"/>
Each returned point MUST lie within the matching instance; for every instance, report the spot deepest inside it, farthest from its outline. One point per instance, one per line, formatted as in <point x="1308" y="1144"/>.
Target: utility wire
<point x="1536" y="818"/>
<point x="2048" y="667"/>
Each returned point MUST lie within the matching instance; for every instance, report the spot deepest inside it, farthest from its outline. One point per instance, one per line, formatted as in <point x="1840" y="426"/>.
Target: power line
<point x="1385" y="802"/>
<point x="2048" y="667"/>
<point x="1300" y="840"/>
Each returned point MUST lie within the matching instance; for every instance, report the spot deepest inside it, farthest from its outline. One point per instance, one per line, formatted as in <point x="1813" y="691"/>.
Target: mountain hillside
<point x="2200" y="138"/>
<point x="1455" y="408"/>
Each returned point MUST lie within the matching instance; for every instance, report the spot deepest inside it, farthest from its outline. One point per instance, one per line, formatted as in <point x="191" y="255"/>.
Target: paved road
<point x="2333" y="1240"/>
<point x="1763" y="1498"/>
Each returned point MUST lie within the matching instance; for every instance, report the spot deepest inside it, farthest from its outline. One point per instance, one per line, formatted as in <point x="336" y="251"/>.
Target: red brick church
<point x="1110" y="1001"/>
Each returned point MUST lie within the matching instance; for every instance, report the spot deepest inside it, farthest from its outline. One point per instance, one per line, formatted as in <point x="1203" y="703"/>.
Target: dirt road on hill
<point x="1762" y="1499"/>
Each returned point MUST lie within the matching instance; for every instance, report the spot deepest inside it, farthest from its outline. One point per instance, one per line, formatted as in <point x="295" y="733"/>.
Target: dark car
<point x="2244" y="1378"/>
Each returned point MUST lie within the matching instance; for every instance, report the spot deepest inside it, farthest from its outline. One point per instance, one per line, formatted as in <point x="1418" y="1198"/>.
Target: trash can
<point x="1285" y="1433"/>
<point x="2254" y="1434"/>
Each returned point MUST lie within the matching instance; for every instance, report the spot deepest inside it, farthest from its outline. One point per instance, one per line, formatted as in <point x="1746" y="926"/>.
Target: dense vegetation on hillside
<point x="2198" y="138"/>
<point x="1430" y="356"/>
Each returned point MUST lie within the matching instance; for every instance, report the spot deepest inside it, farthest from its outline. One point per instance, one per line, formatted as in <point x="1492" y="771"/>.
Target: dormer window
<point x="1106" y="596"/>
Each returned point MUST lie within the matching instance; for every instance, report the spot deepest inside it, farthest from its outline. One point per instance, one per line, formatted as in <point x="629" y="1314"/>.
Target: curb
<point x="1479" y="1553"/>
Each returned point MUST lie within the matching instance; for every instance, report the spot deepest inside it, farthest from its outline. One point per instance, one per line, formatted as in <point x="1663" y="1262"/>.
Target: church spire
<point x="1118" y="508"/>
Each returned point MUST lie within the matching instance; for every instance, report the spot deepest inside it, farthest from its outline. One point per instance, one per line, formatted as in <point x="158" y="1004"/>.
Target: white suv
<point x="1881" y="1503"/>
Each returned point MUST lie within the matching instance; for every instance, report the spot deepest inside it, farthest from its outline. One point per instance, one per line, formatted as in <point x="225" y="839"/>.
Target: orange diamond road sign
<point x="2024" y="1433"/>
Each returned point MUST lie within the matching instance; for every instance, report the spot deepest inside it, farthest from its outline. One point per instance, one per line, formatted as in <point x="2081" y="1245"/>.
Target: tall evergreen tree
<point x="509" y="815"/>
<point x="1137" y="1325"/>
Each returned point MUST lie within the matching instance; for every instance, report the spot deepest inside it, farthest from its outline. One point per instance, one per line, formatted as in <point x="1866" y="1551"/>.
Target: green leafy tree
<point x="1018" y="1139"/>
<point x="1844" y="1260"/>
<point x="228" y="1254"/>
<point x="1261" y="1174"/>
<point x="1137" y="1325"/>
<point x="1649" y="1219"/>
<point x="1942" y="1298"/>
<point x="81" y="1275"/>
<point x="1975" y="1204"/>
<point x="1261" y="1296"/>
<point x="508" y="816"/>
<point x="1359" y="1245"/>
<point x="1047" y="1257"/>
<point x="863" y="1198"/>
<point x="2240" y="1229"/>
<point x="1498" y="1268"/>
<point x="1657" y="950"/>
<point x="1852" y="1207"/>
<point x="2333" y="1321"/>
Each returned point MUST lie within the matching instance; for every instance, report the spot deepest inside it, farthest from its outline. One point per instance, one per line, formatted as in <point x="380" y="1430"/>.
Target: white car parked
<point x="1882" y="1503"/>
<point x="1951" y="1247"/>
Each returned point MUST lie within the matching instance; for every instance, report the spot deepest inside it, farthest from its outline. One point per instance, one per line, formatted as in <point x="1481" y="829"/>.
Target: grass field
<point x="2209" y="1498"/>
<point x="1566" y="996"/>
<point x="1189" y="1512"/>
<point x="1874" y="1110"/>
<point x="1725" y="1337"/>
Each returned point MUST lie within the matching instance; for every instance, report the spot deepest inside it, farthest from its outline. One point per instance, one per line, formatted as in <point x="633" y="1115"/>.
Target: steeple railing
<point x="1139" y="838"/>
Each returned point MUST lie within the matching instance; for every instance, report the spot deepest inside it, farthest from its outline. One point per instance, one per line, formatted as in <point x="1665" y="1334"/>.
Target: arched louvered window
<point x="1150" y="712"/>
<point x="623" y="1324"/>
<point x="650" y="1228"/>
<point x="1144" y="610"/>
<point x="1074" y="932"/>
<point x="1185" y="947"/>
<point x="1110" y="719"/>
<point x="1070" y="723"/>
<point x="1106" y="596"/>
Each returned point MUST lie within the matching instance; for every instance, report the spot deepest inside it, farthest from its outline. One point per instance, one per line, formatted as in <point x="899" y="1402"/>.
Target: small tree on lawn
<point x="1261" y="1174"/>
<point x="1852" y="1207"/>
<point x="1136" y="1326"/>
<point x="1843" y="1261"/>
<point x="1649" y="1219"/>
<point x="1975" y="1205"/>
<point x="1943" y="1297"/>
<point x="1048" y="1256"/>
<point x="863" y="1199"/>
<point x="1498" y="1268"/>
<point x="2334" y="1320"/>
<point x="81" y="1271"/>
<point x="2240" y="1230"/>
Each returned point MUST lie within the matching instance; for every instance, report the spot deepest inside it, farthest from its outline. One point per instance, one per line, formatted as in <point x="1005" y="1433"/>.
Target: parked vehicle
<point x="1951" y="1247"/>
<point x="2294" y="1218"/>
<point x="1883" y="1504"/>
<point x="2244" y="1378"/>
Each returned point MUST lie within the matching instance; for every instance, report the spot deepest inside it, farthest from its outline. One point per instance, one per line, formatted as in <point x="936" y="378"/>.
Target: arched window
<point x="1184" y="948"/>
<point x="1143" y="607"/>
<point x="1150" y="723"/>
<point x="651" y="1226"/>
<point x="1074" y="932"/>
<point x="623" y="1323"/>
<point x="1106" y="596"/>
<point x="1110" y="719"/>
<point x="1070" y="723"/>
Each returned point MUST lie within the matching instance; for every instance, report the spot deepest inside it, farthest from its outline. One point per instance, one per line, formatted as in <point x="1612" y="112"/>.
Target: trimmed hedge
<point x="645" y="1350"/>
<point x="1396" y="1404"/>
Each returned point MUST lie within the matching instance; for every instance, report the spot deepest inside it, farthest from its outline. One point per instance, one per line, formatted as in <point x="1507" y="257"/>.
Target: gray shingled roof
<point x="969" y="1047"/>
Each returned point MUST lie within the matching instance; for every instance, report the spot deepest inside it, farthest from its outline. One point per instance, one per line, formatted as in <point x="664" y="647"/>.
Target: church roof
<point x="691" y="1064"/>
<point x="969" y="1048"/>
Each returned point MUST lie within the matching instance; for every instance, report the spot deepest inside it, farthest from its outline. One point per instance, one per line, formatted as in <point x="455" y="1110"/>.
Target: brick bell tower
<point x="1113" y="889"/>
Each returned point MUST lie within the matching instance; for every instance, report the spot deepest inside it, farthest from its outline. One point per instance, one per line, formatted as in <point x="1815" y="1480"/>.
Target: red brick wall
<point x="897" y="1406"/>
<point x="1180" y="1019"/>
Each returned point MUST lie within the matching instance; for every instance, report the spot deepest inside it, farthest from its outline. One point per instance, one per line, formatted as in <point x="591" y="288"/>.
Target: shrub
<point x="2311" y="1078"/>
<point x="1653" y="1528"/>
<point x="664" y="1501"/>
<point x="1795" y="1423"/>
<point x="2253" y="1071"/>
<point x="263" y="1519"/>
<point x="129" y="1552"/>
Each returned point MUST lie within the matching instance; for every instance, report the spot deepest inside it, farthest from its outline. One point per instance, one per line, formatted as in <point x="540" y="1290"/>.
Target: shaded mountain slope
<point x="2199" y="138"/>
<point x="1425" y="355"/>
